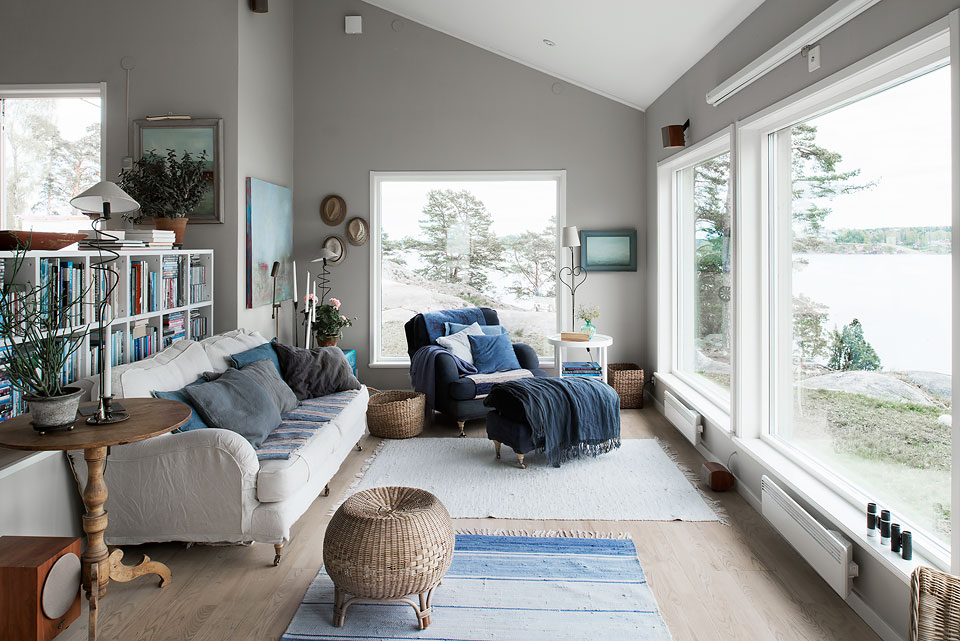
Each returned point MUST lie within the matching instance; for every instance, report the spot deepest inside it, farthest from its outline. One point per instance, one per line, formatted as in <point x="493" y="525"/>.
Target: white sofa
<point x="207" y="485"/>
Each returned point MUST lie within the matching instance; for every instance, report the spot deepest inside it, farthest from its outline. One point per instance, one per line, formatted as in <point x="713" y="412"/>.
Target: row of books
<point x="174" y="328"/>
<point x="581" y="368"/>
<point x="144" y="288"/>
<point x="71" y="369"/>
<point x="198" y="280"/>
<point x="62" y="281"/>
<point x="172" y="277"/>
<point x="198" y="325"/>
<point x="116" y="350"/>
<point x="11" y="399"/>
<point x="146" y="341"/>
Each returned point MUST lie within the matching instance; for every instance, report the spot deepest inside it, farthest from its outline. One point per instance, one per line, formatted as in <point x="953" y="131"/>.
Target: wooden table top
<point x="149" y="417"/>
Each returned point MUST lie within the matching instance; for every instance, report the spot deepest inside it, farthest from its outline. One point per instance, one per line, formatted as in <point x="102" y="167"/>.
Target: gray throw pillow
<point x="236" y="402"/>
<point x="311" y="373"/>
<point x="265" y="373"/>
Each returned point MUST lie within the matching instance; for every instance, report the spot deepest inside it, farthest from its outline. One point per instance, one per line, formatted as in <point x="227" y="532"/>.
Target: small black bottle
<point x="871" y="519"/>
<point x="895" y="537"/>
<point x="906" y="545"/>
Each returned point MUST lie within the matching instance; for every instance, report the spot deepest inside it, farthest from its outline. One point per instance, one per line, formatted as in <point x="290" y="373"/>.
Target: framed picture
<point x="608" y="251"/>
<point x="269" y="240"/>
<point x="196" y="135"/>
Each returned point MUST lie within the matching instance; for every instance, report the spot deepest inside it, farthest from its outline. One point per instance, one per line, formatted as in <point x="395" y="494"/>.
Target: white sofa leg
<point x="278" y="548"/>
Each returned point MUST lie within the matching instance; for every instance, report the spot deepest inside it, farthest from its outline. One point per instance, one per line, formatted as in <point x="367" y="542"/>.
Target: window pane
<point x="863" y="286"/>
<point x="705" y="280"/>
<point x="51" y="152"/>
<point x="448" y="244"/>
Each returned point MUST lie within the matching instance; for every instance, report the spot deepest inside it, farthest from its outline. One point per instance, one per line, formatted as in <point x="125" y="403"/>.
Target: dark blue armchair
<point x="456" y="396"/>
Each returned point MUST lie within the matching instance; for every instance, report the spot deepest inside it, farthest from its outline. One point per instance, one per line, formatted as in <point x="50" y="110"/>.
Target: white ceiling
<point x="627" y="50"/>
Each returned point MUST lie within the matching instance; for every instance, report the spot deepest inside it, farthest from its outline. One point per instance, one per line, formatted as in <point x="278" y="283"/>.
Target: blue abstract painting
<point x="269" y="240"/>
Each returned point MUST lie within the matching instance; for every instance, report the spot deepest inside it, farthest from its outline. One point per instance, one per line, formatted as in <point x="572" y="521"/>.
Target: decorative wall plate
<point x="333" y="210"/>
<point x="335" y="244"/>
<point x="357" y="232"/>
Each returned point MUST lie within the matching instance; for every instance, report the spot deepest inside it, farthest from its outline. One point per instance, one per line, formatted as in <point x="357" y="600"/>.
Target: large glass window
<point x="861" y="296"/>
<point x="49" y="152"/>
<point x="704" y="283"/>
<point x="456" y="240"/>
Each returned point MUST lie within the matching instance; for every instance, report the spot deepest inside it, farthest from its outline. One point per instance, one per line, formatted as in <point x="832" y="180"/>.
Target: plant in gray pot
<point x="41" y="330"/>
<point x="167" y="188"/>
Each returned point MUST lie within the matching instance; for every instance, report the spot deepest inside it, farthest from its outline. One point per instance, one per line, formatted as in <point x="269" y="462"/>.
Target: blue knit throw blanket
<point x="573" y="416"/>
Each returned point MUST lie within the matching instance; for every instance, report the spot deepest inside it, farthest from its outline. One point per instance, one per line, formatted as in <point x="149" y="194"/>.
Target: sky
<point x="901" y="139"/>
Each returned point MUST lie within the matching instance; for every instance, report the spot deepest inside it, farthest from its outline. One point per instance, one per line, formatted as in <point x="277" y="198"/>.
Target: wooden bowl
<point x="11" y="239"/>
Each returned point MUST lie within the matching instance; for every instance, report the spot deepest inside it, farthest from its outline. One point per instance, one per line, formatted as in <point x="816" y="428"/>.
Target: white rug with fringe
<point x="637" y="482"/>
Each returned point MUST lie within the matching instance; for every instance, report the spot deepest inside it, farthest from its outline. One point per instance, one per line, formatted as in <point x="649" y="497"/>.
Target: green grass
<point x="883" y="430"/>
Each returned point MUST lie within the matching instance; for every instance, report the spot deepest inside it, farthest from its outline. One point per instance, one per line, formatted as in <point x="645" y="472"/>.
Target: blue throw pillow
<point x="493" y="353"/>
<point x="490" y="330"/>
<point x="196" y="421"/>
<point x="236" y="402"/>
<point x="258" y="353"/>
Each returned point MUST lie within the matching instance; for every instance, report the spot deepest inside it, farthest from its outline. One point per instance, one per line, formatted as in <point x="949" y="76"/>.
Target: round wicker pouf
<point x="385" y="544"/>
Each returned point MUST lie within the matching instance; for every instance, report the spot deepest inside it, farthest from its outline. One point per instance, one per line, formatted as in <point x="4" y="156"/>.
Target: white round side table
<point x="600" y="342"/>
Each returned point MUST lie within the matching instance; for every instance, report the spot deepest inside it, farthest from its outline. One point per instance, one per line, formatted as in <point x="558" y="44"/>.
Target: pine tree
<point x="532" y="257"/>
<point x="851" y="351"/>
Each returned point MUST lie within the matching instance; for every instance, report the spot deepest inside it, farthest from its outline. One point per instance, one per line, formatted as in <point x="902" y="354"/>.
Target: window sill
<point x="843" y="515"/>
<point x="711" y="412"/>
<point x="388" y="365"/>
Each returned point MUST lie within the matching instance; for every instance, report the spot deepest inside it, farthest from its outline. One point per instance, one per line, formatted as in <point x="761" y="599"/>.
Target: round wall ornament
<point x="357" y="232"/>
<point x="335" y="244"/>
<point x="333" y="209"/>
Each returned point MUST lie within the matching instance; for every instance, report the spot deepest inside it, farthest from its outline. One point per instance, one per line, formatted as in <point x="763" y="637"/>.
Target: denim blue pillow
<point x="258" y="353"/>
<point x="493" y="353"/>
<point x="196" y="421"/>
<point x="490" y="330"/>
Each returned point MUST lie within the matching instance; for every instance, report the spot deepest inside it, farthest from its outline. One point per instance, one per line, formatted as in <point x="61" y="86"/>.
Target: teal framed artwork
<point x="608" y="251"/>
<point x="195" y="135"/>
<point x="269" y="240"/>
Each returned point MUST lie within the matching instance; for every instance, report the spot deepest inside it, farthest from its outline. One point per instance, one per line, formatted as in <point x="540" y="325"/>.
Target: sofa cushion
<point x="493" y="353"/>
<point x="458" y="344"/>
<point x="236" y="402"/>
<point x="266" y="375"/>
<point x="301" y="447"/>
<point x="172" y="369"/>
<point x="258" y="353"/>
<point x="312" y="373"/>
<point x="221" y="347"/>
<point x="196" y="421"/>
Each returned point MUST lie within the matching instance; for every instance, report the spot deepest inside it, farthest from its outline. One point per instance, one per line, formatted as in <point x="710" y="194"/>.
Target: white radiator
<point x="830" y="554"/>
<point x="682" y="417"/>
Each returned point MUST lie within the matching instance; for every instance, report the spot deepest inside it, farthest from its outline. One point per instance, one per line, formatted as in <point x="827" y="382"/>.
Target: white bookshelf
<point x="195" y="295"/>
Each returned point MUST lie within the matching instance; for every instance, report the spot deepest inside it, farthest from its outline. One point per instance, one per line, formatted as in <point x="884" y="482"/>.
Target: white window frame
<point x="68" y="90"/>
<point x="377" y="178"/>
<point x="715" y="407"/>
<point x="757" y="293"/>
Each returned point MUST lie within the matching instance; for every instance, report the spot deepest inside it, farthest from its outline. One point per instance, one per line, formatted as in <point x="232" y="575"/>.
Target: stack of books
<point x="581" y="368"/>
<point x="174" y="328"/>
<point x="122" y="241"/>
<point x="153" y="238"/>
<point x="171" y="282"/>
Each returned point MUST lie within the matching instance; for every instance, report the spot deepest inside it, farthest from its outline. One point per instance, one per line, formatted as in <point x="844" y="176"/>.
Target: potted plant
<point x="328" y="323"/>
<point x="35" y="324"/>
<point x="167" y="188"/>
<point x="588" y="315"/>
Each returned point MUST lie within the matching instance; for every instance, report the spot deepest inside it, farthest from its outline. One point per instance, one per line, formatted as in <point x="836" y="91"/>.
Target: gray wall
<point x="265" y="144"/>
<point x="416" y="99"/>
<point x="878" y="27"/>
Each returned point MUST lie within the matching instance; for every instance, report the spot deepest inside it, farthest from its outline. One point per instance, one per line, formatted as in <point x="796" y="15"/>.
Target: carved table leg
<point x="123" y="573"/>
<point x="95" y="522"/>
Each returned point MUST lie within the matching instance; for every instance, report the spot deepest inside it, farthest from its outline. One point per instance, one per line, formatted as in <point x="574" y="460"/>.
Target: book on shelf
<point x="153" y="238"/>
<point x="116" y="350"/>
<point x="146" y="340"/>
<point x="174" y="328"/>
<point x="198" y="280"/>
<point x="11" y="399"/>
<point x="144" y="288"/>
<point x="198" y="325"/>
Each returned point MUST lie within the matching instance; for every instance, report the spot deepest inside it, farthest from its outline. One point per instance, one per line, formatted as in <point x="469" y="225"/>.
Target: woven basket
<point x="388" y="542"/>
<point x="935" y="606"/>
<point x="627" y="381"/>
<point x="396" y="414"/>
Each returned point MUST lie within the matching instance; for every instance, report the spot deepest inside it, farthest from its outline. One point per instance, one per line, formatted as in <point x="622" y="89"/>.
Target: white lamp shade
<point x="570" y="237"/>
<point x="91" y="200"/>
<point x="325" y="254"/>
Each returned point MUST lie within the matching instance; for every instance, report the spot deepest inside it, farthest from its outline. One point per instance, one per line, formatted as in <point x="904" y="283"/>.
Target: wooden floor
<point x="712" y="581"/>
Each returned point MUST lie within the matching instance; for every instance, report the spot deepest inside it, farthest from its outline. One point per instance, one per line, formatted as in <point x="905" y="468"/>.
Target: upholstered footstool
<point x="387" y="544"/>
<point x="518" y="436"/>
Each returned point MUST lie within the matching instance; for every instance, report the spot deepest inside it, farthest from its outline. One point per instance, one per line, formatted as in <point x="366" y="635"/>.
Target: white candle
<point x="306" y="288"/>
<point x="294" y="281"/>
<point x="106" y="347"/>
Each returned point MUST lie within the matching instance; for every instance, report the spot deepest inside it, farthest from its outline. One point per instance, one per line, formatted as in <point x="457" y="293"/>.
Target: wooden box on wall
<point x="25" y="592"/>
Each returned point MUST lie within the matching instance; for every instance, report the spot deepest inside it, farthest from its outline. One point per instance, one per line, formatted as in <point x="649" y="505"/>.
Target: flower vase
<point x="327" y="341"/>
<point x="589" y="328"/>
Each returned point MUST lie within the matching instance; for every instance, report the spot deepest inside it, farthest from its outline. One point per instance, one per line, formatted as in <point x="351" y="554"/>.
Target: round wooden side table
<point x="149" y="417"/>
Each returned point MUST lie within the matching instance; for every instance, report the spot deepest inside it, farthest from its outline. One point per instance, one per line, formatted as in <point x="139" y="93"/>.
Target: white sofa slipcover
<point x="207" y="486"/>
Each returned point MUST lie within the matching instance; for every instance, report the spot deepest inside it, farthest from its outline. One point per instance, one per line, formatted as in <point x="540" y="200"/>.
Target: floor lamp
<point x="570" y="237"/>
<point x="100" y="202"/>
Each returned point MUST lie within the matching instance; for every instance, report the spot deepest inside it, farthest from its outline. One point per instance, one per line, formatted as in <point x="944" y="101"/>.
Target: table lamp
<point x="570" y="237"/>
<point x="100" y="202"/>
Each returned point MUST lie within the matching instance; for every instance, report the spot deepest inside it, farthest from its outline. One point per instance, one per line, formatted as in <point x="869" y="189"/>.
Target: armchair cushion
<point x="458" y="344"/>
<point x="490" y="330"/>
<point x="493" y="353"/>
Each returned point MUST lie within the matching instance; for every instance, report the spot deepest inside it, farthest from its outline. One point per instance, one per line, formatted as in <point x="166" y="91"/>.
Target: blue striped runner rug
<point x="505" y="588"/>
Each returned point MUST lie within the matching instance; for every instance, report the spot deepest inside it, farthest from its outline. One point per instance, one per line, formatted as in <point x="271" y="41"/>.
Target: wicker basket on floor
<point x="935" y="606"/>
<point x="396" y="414"/>
<point x="626" y="379"/>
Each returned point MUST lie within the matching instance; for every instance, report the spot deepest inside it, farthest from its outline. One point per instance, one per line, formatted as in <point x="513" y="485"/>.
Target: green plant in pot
<point x="167" y="188"/>
<point x="35" y="326"/>
<point x="328" y="323"/>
